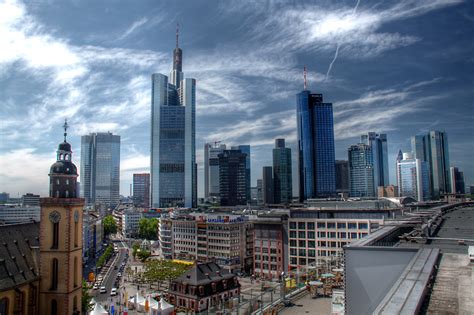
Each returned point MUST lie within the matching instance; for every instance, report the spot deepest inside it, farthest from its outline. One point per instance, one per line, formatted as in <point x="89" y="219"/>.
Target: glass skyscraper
<point x="211" y="169"/>
<point x="100" y="169"/>
<point x="282" y="173"/>
<point x="173" y="133"/>
<point x="378" y="145"/>
<point x="413" y="178"/>
<point x="232" y="178"/>
<point x="433" y="149"/>
<point x="141" y="190"/>
<point x="316" y="156"/>
<point x="361" y="171"/>
<point x="245" y="148"/>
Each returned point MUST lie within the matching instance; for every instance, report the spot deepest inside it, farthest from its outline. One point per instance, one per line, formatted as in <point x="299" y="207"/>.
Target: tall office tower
<point x="342" y="176"/>
<point x="267" y="185"/>
<point x="141" y="190"/>
<point x="245" y="148"/>
<point x="457" y="181"/>
<point x="211" y="169"/>
<point x="282" y="174"/>
<point x="259" y="191"/>
<point x="100" y="169"/>
<point x="173" y="138"/>
<point x="378" y="145"/>
<point x="433" y="148"/>
<point x="398" y="159"/>
<point x="316" y="155"/>
<point x="232" y="179"/>
<point x="361" y="171"/>
<point x="413" y="178"/>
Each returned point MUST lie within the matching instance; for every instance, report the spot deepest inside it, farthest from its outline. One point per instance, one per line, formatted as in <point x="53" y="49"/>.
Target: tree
<point x="86" y="298"/>
<point x="163" y="270"/>
<point x="110" y="227"/>
<point x="143" y="255"/>
<point x="135" y="248"/>
<point x="148" y="228"/>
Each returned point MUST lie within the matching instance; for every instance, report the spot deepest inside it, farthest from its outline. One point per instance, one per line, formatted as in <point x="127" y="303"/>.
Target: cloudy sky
<point x="401" y="67"/>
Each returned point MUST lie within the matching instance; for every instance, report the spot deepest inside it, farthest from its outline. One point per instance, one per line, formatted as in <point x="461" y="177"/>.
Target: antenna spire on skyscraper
<point x="177" y="34"/>
<point x="304" y="75"/>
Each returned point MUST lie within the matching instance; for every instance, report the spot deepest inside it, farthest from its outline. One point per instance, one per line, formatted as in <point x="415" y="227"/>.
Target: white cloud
<point x="137" y="24"/>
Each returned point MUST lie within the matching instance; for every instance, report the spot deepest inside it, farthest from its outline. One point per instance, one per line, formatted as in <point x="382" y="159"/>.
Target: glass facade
<point x="433" y="149"/>
<point x="141" y="190"/>
<point x="361" y="171"/>
<point x="173" y="140"/>
<point x="413" y="178"/>
<point x="282" y="173"/>
<point x="100" y="168"/>
<point x="316" y="156"/>
<point x="378" y="145"/>
<point x="232" y="178"/>
<point x="245" y="148"/>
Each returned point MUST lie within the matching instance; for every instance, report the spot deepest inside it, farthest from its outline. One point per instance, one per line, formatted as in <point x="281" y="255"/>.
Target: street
<point x="111" y="276"/>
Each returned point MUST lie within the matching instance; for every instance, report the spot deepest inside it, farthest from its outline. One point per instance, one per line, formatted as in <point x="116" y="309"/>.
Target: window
<point x="4" y="306"/>
<point x="293" y="234"/>
<point x="55" y="236"/>
<point x="363" y="226"/>
<point x="54" y="307"/>
<point x="292" y="225"/>
<point x="75" y="272"/>
<point x="293" y="251"/>
<point x="311" y="253"/>
<point x="54" y="274"/>
<point x="302" y="243"/>
<point x="321" y="225"/>
<point x="310" y="225"/>
<point x="76" y="232"/>
<point x="301" y="225"/>
<point x="331" y="225"/>
<point x="19" y="305"/>
<point x="311" y="235"/>
<point x="341" y="225"/>
<point x="312" y="244"/>
<point x="293" y="243"/>
<point x="302" y="252"/>
<point x="301" y="234"/>
<point x="352" y="226"/>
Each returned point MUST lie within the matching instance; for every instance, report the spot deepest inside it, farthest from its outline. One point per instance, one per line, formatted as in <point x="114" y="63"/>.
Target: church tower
<point x="61" y="238"/>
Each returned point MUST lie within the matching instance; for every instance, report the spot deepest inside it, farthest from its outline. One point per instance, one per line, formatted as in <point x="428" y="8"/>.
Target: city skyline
<point x="405" y="61"/>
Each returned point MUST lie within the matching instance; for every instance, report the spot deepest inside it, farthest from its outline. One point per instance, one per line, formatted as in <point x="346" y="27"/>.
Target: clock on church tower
<point x="61" y="238"/>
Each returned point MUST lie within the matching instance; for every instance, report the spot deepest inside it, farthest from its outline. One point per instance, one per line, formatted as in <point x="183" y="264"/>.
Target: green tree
<point x="163" y="270"/>
<point x="86" y="298"/>
<point x="110" y="227"/>
<point x="135" y="248"/>
<point x="143" y="255"/>
<point x="148" y="228"/>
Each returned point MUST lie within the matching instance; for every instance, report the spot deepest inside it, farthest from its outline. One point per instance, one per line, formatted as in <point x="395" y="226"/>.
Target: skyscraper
<point x="267" y="185"/>
<point x="413" y="178"/>
<point x="245" y="148"/>
<point x="173" y="138"/>
<point x="100" y="168"/>
<point x="211" y="169"/>
<point x="282" y="174"/>
<point x="232" y="181"/>
<point x="361" y="171"/>
<point x="316" y="155"/>
<point x="457" y="181"/>
<point x="433" y="148"/>
<point x="378" y="145"/>
<point x="141" y="190"/>
<point x="342" y="176"/>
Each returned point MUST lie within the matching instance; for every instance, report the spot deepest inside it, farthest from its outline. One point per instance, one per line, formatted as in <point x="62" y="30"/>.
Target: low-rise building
<point x="390" y="191"/>
<point x="14" y="214"/>
<point x="206" y="286"/>
<point x="31" y="200"/>
<point x="165" y="232"/>
<point x="130" y="219"/>
<point x="92" y="235"/>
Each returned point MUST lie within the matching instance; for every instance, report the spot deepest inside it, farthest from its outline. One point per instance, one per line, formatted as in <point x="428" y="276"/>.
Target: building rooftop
<point x="205" y="273"/>
<point x="415" y="264"/>
<point x="19" y="254"/>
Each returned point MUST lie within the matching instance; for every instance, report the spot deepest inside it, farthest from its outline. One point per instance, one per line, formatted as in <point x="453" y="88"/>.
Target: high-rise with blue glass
<point x="361" y="171"/>
<point x="173" y="132"/>
<point x="413" y="178"/>
<point x="316" y="156"/>
<point x="378" y="146"/>
<point x="433" y="149"/>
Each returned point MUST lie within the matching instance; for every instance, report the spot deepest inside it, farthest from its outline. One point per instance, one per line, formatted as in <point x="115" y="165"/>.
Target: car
<point x="115" y="267"/>
<point x="113" y="292"/>
<point x="119" y="274"/>
<point x="103" y="290"/>
<point x="96" y="286"/>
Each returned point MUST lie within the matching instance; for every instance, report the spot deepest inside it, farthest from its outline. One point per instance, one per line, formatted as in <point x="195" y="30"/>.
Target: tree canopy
<point x="163" y="270"/>
<point x="148" y="228"/>
<point x="110" y="227"/>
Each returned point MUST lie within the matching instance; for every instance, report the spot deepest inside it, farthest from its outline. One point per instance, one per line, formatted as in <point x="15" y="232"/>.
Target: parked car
<point x="96" y="286"/>
<point x="119" y="274"/>
<point x="103" y="290"/>
<point x="113" y="292"/>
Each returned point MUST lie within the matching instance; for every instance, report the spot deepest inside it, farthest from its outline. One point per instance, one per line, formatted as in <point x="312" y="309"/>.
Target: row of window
<point x="328" y="225"/>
